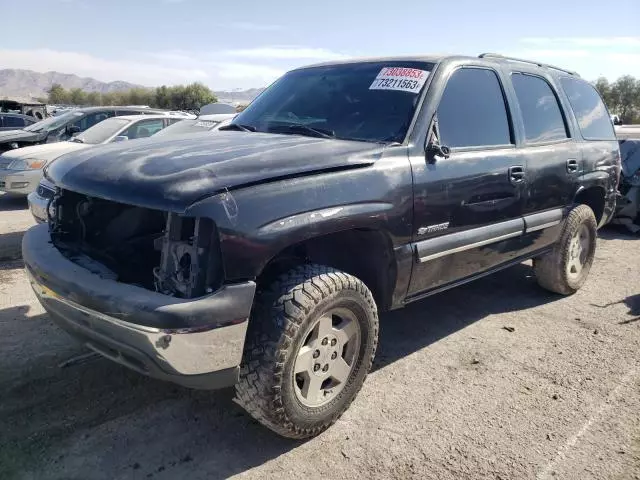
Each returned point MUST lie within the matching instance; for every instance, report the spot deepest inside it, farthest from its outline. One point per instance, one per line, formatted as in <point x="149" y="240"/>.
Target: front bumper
<point x="197" y="343"/>
<point x="19" y="182"/>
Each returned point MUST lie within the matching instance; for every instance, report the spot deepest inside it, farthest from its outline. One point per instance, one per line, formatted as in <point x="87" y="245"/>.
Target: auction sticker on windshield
<point x="399" y="78"/>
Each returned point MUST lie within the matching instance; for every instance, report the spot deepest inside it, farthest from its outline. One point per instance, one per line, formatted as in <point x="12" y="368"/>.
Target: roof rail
<point x="521" y="60"/>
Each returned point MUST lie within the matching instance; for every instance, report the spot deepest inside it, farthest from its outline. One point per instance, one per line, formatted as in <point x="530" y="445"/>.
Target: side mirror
<point x="433" y="148"/>
<point x="73" y="130"/>
<point x="436" y="150"/>
<point x="120" y="138"/>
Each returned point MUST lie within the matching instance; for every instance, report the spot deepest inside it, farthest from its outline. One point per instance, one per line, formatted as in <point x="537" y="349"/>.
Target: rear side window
<point x="592" y="115"/>
<point x="472" y="111"/>
<point x="541" y="113"/>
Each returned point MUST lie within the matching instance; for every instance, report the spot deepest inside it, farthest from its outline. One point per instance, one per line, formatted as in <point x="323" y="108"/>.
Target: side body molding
<point x="433" y="248"/>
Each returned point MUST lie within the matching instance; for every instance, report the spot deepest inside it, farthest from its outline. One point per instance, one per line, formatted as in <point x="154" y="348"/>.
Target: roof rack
<point x="521" y="60"/>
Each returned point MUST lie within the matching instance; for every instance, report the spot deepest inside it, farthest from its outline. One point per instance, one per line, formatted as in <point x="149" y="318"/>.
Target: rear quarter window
<point x="592" y="115"/>
<point x="541" y="113"/>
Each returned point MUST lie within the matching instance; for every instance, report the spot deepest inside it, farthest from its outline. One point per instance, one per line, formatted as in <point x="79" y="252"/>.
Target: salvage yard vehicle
<point x="628" y="208"/>
<point x="116" y="129"/>
<point x="203" y="123"/>
<point x="15" y="121"/>
<point x="262" y="255"/>
<point x="65" y="126"/>
<point x="21" y="169"/>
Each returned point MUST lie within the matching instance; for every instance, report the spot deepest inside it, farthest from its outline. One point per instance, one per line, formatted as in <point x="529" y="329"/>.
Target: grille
<point x="45" y="192"/>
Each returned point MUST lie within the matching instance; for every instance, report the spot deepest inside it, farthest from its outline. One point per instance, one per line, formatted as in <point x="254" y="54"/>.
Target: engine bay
<point x="160" y="251"/>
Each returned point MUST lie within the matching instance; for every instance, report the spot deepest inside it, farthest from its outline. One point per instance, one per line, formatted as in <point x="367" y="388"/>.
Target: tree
<point x="162" y="97"/>
<point x="94" y="99"/>
<point x="178" y="97"/>
<point x="625" y="94"/>
<point x="604" y="87"/>
<point x="196" y="95"/>
<point x="77" y="96"/>
<point x="57" y="94"/>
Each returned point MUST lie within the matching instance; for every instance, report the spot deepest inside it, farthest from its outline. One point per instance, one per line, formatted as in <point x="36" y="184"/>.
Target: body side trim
<point x="433" y="248"/>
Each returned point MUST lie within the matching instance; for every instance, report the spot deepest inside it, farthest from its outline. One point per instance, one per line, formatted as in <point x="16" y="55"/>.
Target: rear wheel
<point x="565" y="269"/>
<point x="310" y="345"/>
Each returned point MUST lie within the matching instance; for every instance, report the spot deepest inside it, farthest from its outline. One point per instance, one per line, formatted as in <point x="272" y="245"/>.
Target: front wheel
<point x="565" y="269"/>
<point x="311" y="341"/>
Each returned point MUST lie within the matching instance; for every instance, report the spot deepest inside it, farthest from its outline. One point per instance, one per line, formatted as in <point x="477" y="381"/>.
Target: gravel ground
<point x="497" y="379"/>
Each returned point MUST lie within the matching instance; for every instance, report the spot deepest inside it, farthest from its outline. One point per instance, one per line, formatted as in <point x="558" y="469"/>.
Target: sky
<point x="238" y="44"/>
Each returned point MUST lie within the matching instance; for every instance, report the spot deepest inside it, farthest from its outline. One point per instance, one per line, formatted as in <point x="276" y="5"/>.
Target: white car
<point x="39" y="200"/>
<point x="21" y="169"/>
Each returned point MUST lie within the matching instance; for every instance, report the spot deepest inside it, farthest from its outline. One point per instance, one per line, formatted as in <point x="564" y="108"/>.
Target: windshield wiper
<point x="77" y="140"/>
<point x="305" y="129"/>
<point x="238" y="126"/>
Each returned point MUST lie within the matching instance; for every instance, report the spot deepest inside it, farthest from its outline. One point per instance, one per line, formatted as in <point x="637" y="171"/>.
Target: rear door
<point x="467" y="207"/>
<point x="552" y="156"/>
<point x="600" y="155"/>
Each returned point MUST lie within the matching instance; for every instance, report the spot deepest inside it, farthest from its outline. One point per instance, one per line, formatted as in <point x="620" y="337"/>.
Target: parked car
<point x="39" y="199"/>
<point x="260" y="256"/>
<point x="200" y="124"/>
<point x="22" y="175"/>
<point x="65" y="126"/>
<point x="628" y="208"/>
<point x="15" y="121"/>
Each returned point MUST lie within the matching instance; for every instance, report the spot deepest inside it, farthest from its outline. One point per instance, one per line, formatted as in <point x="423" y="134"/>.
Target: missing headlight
<point x="189" y="265"/>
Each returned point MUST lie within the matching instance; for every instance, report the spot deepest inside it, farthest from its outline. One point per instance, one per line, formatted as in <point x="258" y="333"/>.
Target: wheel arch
<point x="366" y="253"/>
<point x="594" y="196"/>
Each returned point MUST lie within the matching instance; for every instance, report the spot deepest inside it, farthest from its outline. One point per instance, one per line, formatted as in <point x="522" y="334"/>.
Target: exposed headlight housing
<point x="26" y="164"/>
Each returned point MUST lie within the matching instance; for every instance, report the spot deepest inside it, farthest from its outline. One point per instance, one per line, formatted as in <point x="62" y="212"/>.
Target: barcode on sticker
<point x="399" y="78"/>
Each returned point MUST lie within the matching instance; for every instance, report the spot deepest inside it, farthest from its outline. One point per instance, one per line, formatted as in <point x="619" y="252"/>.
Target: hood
<point x="46" y="151"/>
<point x="17" y="135"/>
<point x="172" y="173"/>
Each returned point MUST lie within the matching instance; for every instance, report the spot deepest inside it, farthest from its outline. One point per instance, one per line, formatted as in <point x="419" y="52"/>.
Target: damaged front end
<point x="160" y="251"/>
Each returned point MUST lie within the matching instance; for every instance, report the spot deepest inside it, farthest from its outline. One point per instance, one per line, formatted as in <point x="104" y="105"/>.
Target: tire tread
<point x="276" y="319"/>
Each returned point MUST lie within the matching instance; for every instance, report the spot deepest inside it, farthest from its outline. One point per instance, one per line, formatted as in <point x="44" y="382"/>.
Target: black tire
<point x="279" y="324"/>
<point x="552" y="269"/>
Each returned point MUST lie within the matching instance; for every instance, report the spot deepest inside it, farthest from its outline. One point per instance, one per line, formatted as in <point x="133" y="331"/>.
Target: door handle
<point x="572" y="165"/>
<point x="516" y="174"/>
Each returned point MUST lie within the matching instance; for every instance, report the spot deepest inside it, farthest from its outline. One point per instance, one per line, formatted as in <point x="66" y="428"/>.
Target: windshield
<point x="372" y="102"/>
<point x="188" y="126"/>
<point x="53" y="123"/>
<point x="101" y="132"/>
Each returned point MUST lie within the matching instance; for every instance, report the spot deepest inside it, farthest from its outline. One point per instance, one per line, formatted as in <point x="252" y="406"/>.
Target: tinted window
<point x="592" y="115"/>
<point x="144" y="128"/>
<point x="92" y="119"/>
<point x="472" y="111"/>
<point x="10" y="121"/>
<point x="367" y="101"/>
<point x="541" y="114"/>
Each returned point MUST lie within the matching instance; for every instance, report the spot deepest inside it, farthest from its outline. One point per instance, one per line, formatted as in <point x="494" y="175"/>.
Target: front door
<point x="467" y="207"/>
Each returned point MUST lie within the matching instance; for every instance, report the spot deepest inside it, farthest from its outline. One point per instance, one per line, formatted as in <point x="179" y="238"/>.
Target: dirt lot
<point x="453" y="394"/>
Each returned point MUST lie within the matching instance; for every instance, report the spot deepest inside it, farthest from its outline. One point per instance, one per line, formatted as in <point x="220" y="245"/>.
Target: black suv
<point x="63" y="127"/>
<point x="260" y="256"/>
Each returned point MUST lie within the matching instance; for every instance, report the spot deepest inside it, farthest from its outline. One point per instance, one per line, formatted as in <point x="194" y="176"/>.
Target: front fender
<point x="257" y="222"/>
